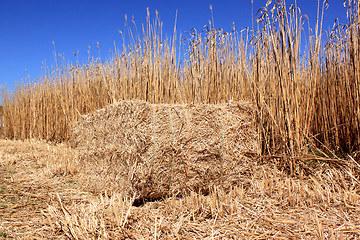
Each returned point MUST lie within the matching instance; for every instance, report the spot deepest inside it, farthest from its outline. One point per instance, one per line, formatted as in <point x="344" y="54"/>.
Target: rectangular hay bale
<point x="159" y="150"/>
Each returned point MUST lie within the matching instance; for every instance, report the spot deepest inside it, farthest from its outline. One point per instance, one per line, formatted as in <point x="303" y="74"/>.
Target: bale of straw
<point x="159" y="150"/>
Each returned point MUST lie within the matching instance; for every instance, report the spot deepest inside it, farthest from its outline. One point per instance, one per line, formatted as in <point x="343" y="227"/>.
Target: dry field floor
<point x="42" y="197"/>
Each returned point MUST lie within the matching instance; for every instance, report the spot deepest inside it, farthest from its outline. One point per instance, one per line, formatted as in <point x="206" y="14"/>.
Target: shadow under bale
<point x="151" y="151"/>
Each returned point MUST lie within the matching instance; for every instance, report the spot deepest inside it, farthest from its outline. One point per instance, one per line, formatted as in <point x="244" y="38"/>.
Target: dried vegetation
<point x="168" y="150"/>
<point x="158" y="150"/>
<point x="306" y="95"/>
<point x="41" y="197"/>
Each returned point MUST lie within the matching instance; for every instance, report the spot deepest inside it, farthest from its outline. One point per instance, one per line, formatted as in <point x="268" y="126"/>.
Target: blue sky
<point x="29" y="27"/>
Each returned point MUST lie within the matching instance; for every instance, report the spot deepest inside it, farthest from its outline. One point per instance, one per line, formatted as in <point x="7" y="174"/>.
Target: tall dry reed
<point x="305" y="96"/>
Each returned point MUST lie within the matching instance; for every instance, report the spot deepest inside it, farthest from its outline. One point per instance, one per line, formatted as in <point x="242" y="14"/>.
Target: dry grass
<point x="267" y="205"/>
<point x="157" y="150"/>
<point x="1" y="121"/>
<point x="185" y="137"/>
<point x="305" y="97"/>
<point x="41" y="198"/>
<point x="31" y="174"/>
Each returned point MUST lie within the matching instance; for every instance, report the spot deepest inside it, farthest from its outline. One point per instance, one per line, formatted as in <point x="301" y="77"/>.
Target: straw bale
<point x="156" y="150"/>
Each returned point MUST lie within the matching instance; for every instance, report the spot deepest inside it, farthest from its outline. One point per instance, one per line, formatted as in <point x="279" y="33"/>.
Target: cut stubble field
<point x="42" y="196"/>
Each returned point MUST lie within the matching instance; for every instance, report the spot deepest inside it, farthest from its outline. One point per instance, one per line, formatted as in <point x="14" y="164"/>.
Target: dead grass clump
<point x="155" y="150"/>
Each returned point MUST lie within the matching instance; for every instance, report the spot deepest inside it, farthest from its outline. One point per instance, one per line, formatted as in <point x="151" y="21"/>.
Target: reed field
<point x="248" y="134"/>
<point x="305" y="94"/>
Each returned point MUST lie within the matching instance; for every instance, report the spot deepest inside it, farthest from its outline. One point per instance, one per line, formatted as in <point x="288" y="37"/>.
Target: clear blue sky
<point x="28" y="27"/>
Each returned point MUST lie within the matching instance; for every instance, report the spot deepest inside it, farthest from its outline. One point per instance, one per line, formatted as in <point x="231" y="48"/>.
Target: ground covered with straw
<point x="42" y="196"/>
